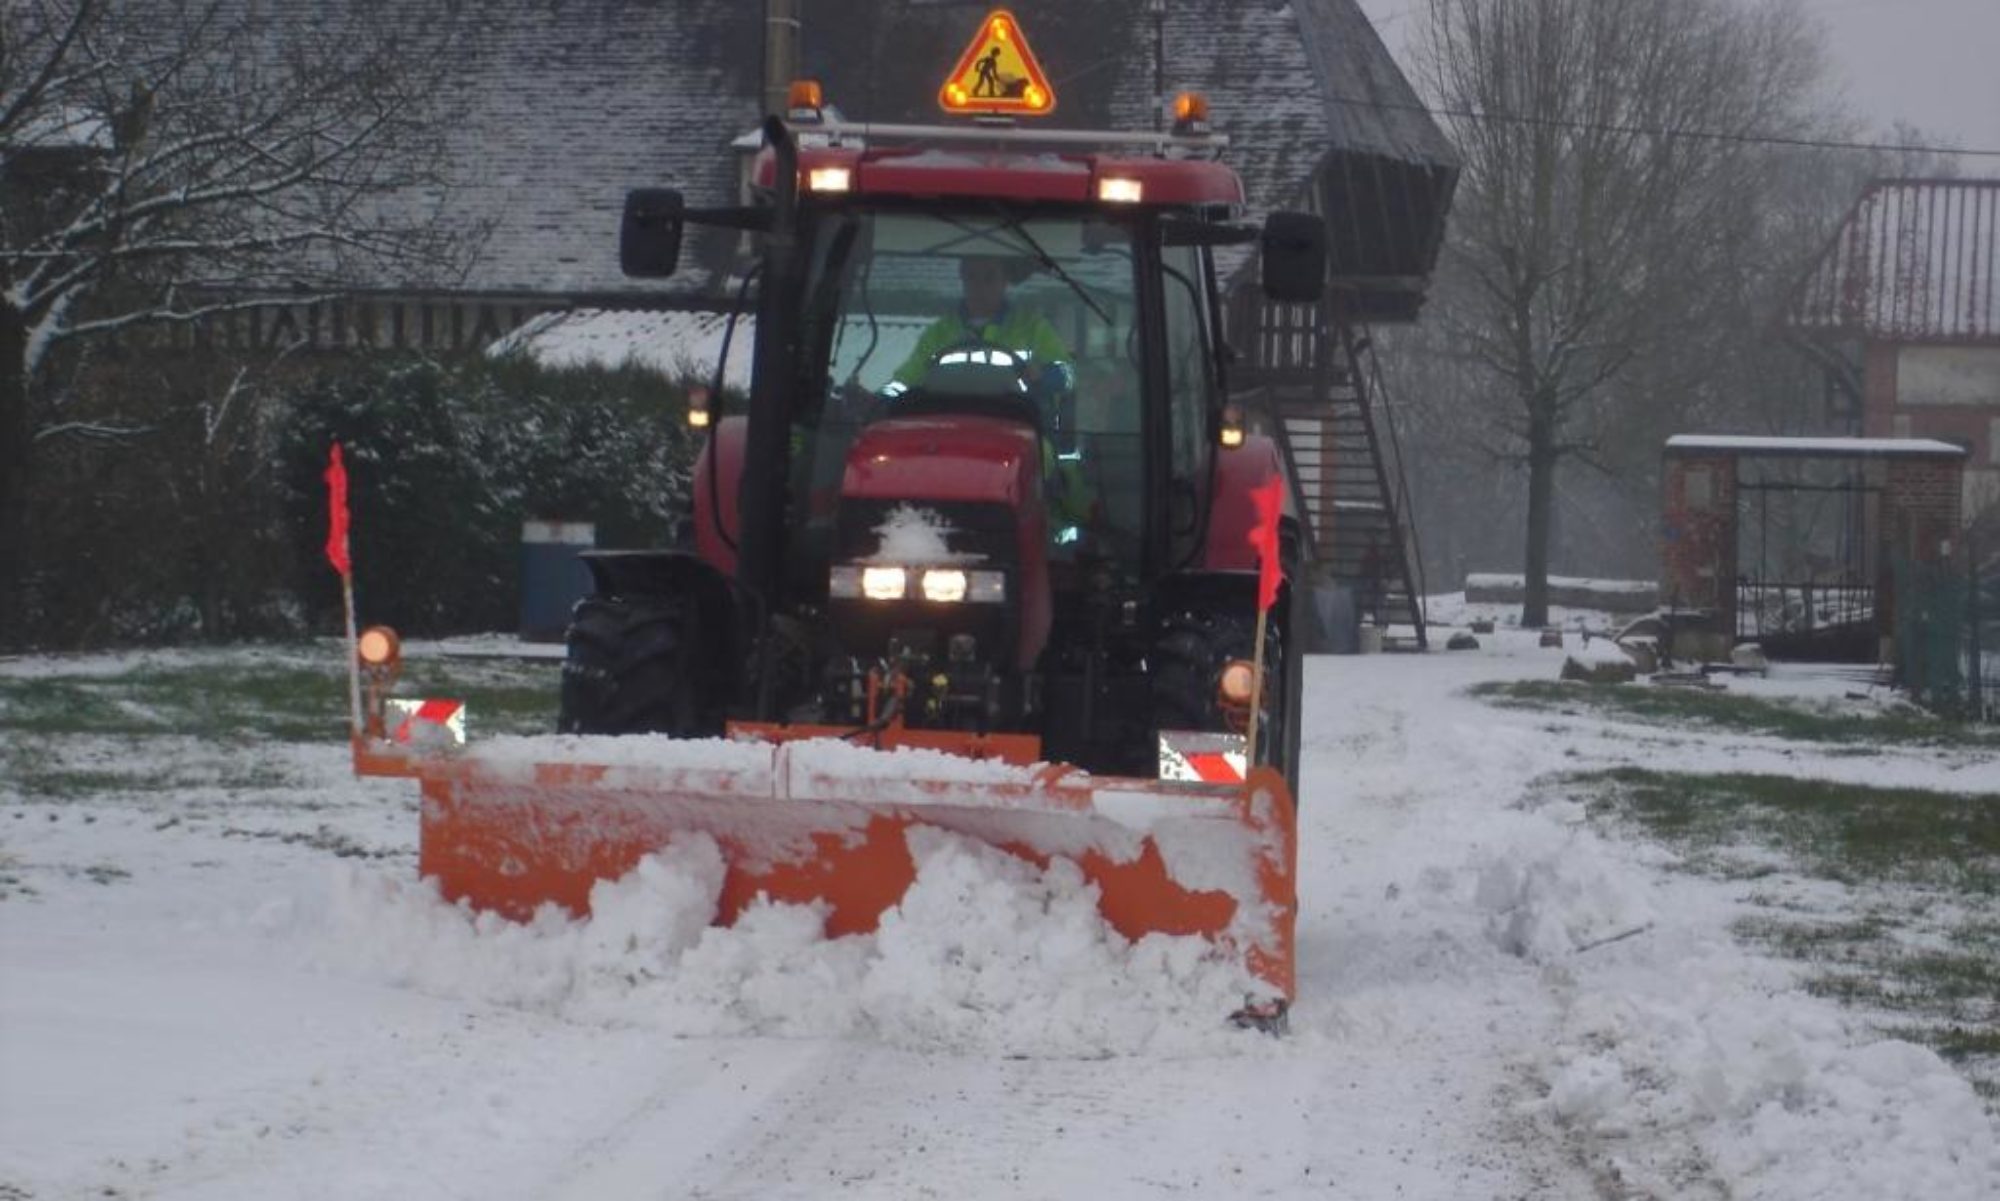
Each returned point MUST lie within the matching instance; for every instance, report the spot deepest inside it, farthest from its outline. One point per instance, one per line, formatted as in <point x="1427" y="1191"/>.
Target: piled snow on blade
<point x="987" y="952"/>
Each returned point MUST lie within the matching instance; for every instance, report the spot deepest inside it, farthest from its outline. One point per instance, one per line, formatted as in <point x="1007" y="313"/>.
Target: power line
<point x="1706" y="135"/>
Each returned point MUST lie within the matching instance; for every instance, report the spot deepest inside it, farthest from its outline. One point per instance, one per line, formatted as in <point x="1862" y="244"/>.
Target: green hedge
<point x="445" y="461"/>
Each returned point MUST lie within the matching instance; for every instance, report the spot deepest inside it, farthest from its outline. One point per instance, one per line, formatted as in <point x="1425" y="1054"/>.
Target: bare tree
<point x="166" y="161"/>
<point x="1612" y="176"/>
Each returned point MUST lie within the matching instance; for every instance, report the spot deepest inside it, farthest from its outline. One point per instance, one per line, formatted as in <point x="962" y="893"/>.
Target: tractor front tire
<point x="632" y="669"/>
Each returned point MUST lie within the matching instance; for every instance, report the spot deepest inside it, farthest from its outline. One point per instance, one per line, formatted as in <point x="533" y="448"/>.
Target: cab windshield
<point x="987" y="312"/>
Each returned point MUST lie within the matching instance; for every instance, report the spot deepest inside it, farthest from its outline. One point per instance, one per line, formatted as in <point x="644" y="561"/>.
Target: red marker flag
<point x="336" y="503"/>
<point x="1269" y="497"/>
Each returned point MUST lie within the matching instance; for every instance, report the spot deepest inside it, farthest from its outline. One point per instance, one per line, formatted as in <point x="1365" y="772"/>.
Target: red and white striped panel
<point x="426" y="722"/>
<point x="1203" y="756"/>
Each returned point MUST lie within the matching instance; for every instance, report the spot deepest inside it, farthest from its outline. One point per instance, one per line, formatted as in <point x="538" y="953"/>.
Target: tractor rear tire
<point x="1187" y="663"/>
<point x="632" y="669"/>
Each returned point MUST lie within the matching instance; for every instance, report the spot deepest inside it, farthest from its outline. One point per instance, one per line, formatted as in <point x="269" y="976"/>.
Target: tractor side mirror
<point x="1294" y="258"/>
<point x="649" y="239"/>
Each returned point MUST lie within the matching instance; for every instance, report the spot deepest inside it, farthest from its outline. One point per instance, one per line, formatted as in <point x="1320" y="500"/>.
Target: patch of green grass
<point x="1844" y="832"/>
<point x="1816" y="939"/>
<point x="239" y="704"/>
<point x="35" y="771"/>
<point x="1929" y="955"/>
<point x="229" y="703"/>
<point x="59" y="706"/>
<point x="1740" y="714"/>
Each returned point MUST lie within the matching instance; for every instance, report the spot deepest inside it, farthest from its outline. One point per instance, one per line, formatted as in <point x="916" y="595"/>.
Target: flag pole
<point x="1268" y="501"/>
<point x="342" y="562"/>
<point x="1256" y="685"/>
<point x="353" y="656"/>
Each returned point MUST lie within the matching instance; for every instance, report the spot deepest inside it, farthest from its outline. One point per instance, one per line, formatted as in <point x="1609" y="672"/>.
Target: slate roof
<point x="1917" y="260"/>
<point x="567" y="105"/>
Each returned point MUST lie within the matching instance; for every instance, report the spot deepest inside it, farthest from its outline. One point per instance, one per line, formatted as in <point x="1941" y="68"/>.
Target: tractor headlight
<point x="884" y="583"/>
<point x="944" y="585"/>
<point x="853" y="582"/>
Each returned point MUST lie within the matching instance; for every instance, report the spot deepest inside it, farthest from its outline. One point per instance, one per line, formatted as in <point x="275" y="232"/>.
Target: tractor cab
<point x="987" y="463"/>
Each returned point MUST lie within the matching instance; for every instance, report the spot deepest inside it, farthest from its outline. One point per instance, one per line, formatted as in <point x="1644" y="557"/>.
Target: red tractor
<point x="986" y="493"/>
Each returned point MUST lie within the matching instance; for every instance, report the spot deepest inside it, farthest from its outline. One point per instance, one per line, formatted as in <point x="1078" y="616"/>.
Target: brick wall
<point x="1921" y="500"/>
<point x="1698" y="536"/>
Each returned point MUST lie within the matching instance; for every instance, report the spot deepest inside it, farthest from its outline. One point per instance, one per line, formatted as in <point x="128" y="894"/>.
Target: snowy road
<point x="197" y="1001"/>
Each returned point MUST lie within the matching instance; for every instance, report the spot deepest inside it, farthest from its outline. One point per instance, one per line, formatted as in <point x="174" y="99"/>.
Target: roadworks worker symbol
<point x="426" y="723"/>
<point x="998" y="74"/>
<point x="1203" y="757"/>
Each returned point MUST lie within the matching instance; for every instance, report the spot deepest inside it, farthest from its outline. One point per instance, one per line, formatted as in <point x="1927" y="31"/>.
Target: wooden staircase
<point x="1313" y="384"/>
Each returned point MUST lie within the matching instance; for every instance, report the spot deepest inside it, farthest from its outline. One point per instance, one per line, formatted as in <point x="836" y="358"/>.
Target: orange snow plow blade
<point x="522" y="823"/>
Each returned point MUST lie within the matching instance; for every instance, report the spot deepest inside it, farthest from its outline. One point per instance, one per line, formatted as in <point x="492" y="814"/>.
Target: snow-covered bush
<point x="447" y="460"/>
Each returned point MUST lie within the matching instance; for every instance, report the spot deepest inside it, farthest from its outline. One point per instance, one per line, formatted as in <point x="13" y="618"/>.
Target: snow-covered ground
<point x="238" y="989"/>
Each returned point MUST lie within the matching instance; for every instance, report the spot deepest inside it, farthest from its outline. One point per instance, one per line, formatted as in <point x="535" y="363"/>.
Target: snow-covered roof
<point x="677" y="343"/>
<point x="1858" y="448"/>
<point x="684" y="343"/>
<point x="1915" y="261"/>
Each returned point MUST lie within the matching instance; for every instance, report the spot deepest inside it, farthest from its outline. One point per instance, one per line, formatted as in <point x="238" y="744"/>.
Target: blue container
<point x="553" y="577"/>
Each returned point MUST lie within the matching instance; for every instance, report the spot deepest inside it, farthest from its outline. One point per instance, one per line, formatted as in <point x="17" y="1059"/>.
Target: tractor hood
<point x="946" y="458"/>
<point x="962" y="462"/>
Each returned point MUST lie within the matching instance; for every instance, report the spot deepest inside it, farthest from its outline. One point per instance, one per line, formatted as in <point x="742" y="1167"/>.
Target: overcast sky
<point x="1934" y="63"/>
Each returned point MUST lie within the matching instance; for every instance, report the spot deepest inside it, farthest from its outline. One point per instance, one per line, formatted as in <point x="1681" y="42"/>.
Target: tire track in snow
<point x="1311" y="1117"/>
<point x="702" y="1118"/>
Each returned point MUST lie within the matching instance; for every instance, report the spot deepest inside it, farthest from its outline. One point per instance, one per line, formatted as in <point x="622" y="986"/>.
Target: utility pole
<point x="1159" y="10"/>
<point x="781" y="53"/>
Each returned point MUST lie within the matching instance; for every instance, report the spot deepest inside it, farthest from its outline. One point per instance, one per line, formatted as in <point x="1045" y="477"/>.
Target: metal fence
<point x="1947" y="623"/>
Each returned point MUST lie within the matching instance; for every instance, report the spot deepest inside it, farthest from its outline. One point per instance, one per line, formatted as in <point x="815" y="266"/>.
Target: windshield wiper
<point x="1042" y="258"/>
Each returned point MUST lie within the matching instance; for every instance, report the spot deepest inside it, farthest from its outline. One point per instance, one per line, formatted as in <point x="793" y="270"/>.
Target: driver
<point x="985" y="316"/>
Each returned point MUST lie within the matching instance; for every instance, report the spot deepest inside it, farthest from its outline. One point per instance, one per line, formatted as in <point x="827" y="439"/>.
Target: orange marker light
<point x="805" y="93"/>
<point x="1190" y="107"/>
<point x="1233" y="687"/>
<point x="379" y="647"/>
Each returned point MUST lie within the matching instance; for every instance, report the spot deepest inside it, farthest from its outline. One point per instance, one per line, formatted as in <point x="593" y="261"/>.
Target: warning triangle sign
<point x="998" y="73"/>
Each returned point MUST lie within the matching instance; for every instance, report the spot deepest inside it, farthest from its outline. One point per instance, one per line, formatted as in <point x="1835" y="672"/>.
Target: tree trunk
<point x="1541" y="496"/>
<point x="15" y="432"/>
